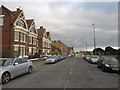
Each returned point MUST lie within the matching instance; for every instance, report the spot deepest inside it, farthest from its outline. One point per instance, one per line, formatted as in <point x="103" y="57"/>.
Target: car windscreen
<point x="87" y="55"/>
<point x="7" y="62"/>
<point x="94" y="57"/>
<point x="111" y="60"/>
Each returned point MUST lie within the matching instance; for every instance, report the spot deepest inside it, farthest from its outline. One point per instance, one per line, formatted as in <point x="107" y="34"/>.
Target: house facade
<point x="14" y="33"/>
<point x="44" y="41"/>
<point x="20" y="38"/>
<point x="32" y="37"/>
<point x="63" y="48"/>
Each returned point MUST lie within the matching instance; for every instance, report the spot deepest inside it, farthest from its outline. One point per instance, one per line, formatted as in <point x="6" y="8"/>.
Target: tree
<point x="110" y="51"/>
<point x="98" y="51"/>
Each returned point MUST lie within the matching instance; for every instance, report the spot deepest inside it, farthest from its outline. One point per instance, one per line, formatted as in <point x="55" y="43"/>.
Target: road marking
<point x="68" y="80"/>
<point x="66" y="84"/>
<point x="71" y="69"/>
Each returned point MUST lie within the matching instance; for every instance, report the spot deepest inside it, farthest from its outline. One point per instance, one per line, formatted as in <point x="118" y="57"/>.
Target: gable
<point x="33" y="28"/>
<point x="20" y="21"/>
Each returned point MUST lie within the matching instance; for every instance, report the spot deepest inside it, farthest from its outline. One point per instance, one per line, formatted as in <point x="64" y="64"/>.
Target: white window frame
<point x="30" y="40"/>
<point x="16" y="48"/>
<point x="24" y="38"/>
<point x="21" y="37"/>
<point x="1" y="20"/>
<point x="16" y="36"/>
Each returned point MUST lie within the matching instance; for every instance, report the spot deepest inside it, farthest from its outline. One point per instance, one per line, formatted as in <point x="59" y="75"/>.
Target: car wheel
<point x="119" y="72"/>
<point x="30" y="69"/>
<point x="5" y="78"/>
<point x="103" y="69"/>
<point x="98" y="66"/>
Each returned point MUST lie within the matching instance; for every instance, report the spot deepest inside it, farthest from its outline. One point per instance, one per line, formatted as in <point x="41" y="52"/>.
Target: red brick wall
<point x="7" y="34"/>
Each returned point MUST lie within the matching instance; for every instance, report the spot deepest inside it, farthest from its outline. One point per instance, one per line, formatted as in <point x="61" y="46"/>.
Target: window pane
<point x="15" y="48"/>
<point x="16" y="35"/>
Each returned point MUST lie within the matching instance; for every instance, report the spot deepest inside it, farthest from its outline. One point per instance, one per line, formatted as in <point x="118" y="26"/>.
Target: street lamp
<point x="94" y="38"/>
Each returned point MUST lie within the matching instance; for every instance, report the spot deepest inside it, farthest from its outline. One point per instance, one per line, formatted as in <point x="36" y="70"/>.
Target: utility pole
<point x="94" y="38"/>
<point x="86" y="46"/>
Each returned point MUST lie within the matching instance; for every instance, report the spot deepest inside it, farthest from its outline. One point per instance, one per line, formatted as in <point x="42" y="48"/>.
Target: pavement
<point x="73" y="72"/>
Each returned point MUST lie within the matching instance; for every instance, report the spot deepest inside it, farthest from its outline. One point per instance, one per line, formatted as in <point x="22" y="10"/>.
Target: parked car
<point x="51" y="59"/>
<point x="64" y="57"/>
<point x="43" y="57"/>
<point x="108" y="64"/>
<point x="93" y="59"/>
<point x="87" y="57"/>
<point x="59" y="57"/>
<point x="14" y="67"/>
<point x="69" y="55"/>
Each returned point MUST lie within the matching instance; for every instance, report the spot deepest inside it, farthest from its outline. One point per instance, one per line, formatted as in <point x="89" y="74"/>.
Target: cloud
<point x="72" y="22"/>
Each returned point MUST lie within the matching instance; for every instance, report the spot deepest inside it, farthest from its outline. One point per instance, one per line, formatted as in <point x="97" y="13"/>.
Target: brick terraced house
<point x="32" y="37"/>
<point x="44" y="41"/>
<point x="14" y="33"/>
<point x="20" y="38"/>
<point x="63" y="48"/>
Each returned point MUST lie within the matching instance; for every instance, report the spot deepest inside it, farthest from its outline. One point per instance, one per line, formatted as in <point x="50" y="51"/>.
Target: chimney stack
<point x="41" y="27"/>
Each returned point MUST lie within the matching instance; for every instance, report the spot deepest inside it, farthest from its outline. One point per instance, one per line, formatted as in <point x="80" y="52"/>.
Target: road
<point x="70" y="73"/>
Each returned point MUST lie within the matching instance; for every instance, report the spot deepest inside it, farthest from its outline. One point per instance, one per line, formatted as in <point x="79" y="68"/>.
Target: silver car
<point x="93" y="59"/>
<point x="14" y="67"/>
<point x="51" y="59"/>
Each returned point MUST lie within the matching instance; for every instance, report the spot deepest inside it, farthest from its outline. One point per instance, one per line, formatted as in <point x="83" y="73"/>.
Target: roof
<point x="29" y="22"/>
<point x="16" y="14"/>
<point x="7" y="10"/>
<point x="13" y="14"/>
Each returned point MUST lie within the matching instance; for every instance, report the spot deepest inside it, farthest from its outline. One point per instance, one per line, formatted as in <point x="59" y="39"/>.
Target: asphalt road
<point x="70" y="73"/>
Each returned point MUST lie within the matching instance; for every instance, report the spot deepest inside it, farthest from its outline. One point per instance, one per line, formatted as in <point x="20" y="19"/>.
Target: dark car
<point x="59" y="57"/>
<point x="108" y="64"/>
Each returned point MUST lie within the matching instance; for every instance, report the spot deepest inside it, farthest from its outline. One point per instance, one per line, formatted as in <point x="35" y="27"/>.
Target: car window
<point x="7" y="62"/>
<point x="23" y="60"/>
<point x="17" y="61"/>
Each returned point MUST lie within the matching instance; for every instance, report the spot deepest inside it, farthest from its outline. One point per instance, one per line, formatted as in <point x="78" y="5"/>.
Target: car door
<point x="99" y="62"/>
<point x="16" y="70"/>
<point x="24" y="65"/>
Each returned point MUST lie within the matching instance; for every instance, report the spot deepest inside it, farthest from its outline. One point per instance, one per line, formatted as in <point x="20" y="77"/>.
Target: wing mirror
<point x="15" y="63"/>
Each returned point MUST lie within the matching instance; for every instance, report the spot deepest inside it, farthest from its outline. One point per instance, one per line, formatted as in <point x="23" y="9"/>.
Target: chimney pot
<point x="18" y="9"/>
<point x="41" y="27"/>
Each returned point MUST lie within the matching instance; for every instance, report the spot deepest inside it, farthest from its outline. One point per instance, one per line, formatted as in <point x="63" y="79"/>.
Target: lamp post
<point x="94" y="38"/>
<point x="86" y="45"/>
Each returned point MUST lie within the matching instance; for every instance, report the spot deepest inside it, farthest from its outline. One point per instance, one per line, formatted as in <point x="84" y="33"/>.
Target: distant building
<point x="71" y="50"/>
<point x="63" y="48"/>
<point x="44" y="41"/>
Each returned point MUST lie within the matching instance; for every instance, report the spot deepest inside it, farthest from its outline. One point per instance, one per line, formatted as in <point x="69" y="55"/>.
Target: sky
<point x="71" y="22"/>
